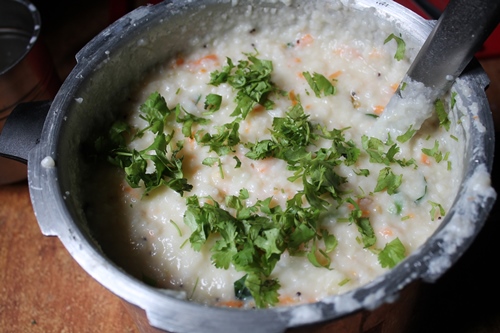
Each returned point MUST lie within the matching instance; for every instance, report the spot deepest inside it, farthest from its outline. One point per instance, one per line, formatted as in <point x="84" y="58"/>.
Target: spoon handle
<point x="459" y="33"/>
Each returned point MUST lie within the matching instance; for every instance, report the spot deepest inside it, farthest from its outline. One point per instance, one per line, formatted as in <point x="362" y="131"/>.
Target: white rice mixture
<point x="148" y="237"/>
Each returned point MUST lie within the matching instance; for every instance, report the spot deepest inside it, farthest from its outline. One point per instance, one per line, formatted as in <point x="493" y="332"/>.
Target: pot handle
<point x="22" y="130"/>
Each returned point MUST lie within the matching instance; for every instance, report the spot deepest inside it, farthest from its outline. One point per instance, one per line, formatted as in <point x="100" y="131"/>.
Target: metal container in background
<point x="26" y="69"/>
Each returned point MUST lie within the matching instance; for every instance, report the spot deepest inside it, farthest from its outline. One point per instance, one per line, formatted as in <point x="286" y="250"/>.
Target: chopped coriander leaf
<point x="387" y="180"/>
<point x="368" y="236"/>
<point x="398" y="207"/>
<point x="362" y="172"/>
<point x="167" y="170"/>
<point x="318" y="257"/>
<point x="210" y="161"/>
<point x="401" y="46"/>
<point x="319" y="84"/>
<point x="453" y="99"/>
<point x="406" y="136"/>
<point x="154" y="111"/>
<point x="251" y="79"/>
<point x="264" y="291"/>
<point x="290" y="136"/>
<point x="223" y="142"/>
<point x="434" y="152"/>
<point x="238" y="162"/>
<point x="344" y="282"/>
<point x="342" y="148"/>
<point x="240" y="290"/>
<point x="366" y="231"/>
<point x="376" y="150"/>
<point x="436" y="210"/>
<point x="188" y="121"/>
<point x="423" y="194"/>
<point x="442" y="115"/>
<point x="177" y="228"/>
<point x="212" y="103"/>
<point x="392" y="254"/>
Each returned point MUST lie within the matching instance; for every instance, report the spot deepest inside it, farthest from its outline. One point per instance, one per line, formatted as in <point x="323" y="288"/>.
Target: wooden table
<point x="42" y="289"/>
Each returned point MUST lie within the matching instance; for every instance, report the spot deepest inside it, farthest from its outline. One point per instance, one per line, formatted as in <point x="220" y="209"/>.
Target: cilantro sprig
<point x="251" y="79"/>
<point x="163" y="154"/>
<point x="254" y="238"/>
<point x="319" y="84"/>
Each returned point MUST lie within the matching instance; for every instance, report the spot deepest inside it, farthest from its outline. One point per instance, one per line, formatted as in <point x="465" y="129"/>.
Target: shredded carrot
<point x="378" y="109"/>
<point x="211" y="57"/>
<point x="258" y="108"/>
<point x="231" y="304"/>
<point x="386" y="232"/>
<point x="363" y="205"/>
<point x="286" y="300"/>
<point x="320" y="258"/>
<point x="298" y="60"/>
<point x="292" y="97"/>
<point x="132" y="192"/>
<point x="305" y="40"/>
<point x="425" y="159"/>
<point x="394" y="86"/>
<point x="179" y="61"/>
<point x="335" y="75"/>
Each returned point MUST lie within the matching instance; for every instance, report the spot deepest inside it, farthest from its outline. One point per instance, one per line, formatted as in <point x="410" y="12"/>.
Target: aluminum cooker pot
<point x="107" y="68"/>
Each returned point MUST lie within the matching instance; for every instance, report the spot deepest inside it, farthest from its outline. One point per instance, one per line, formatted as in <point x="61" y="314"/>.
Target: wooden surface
<point x="42" y="289"/>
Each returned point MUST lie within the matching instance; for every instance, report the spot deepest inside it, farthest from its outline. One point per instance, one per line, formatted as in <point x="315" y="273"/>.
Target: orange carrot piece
<point x="334" y="75"/>
<point x="378" y="109"/>
<point x="386" y="232"/>
<point x="292" y="97"/>
<point x="179" y="61"/>
<point x="425" y="159"/>
<point x="258" y="108"/>
<point x="231" y="303"/>
<point x="286" y="300"/>
<point x="211" y="57"/>
<point x="306" y="39"/>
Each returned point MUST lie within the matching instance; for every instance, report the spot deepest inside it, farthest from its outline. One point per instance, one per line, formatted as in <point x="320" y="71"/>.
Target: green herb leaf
<point x="401" y="48"/>
<point x="319" y="84"/>
<point x="392" y="254"/>
<point x="435" y="209"/>
<point x="387" y="180"/>
<point x="406" y="136"/>
<point x="442" y="115"/>
<point x="434" y="152"/>
<point x="212" y="103"/>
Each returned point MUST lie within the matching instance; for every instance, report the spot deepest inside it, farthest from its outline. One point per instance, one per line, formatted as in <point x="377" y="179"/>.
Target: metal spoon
<point x="458" y="34"/>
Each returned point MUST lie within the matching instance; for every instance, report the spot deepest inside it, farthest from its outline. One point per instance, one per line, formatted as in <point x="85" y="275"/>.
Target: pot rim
<point x="428" y="263"/>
